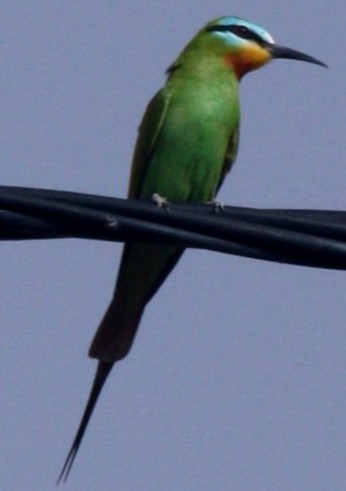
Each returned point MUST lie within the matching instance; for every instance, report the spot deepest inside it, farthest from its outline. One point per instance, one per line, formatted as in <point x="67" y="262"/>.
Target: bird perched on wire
<point x="187" y="144"/>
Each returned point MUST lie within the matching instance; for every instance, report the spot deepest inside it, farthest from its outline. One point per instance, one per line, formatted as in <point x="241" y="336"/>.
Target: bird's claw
<point x="161" y="201"/>
<point x="217" y="206"/>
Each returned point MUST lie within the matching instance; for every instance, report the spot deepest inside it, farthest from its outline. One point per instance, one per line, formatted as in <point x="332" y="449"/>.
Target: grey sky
<point x="237" y="377"/>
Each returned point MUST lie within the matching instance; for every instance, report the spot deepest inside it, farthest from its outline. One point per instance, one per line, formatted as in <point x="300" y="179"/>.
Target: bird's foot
<point x="217" y="206"/>
<point x="161" y="201"/>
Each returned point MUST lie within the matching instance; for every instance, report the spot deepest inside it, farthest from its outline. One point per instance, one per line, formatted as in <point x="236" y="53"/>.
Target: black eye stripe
<point x="240" y="31"/>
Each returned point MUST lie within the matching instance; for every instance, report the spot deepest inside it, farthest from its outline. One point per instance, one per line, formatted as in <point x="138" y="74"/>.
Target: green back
<point x="188" y="138"/>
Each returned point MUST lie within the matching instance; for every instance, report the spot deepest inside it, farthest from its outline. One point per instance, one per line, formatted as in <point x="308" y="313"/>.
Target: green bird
<point x="187" y="143"/>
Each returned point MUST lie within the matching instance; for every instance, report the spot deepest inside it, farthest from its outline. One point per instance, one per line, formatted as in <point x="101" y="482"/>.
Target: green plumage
<point x="187" y="143"/>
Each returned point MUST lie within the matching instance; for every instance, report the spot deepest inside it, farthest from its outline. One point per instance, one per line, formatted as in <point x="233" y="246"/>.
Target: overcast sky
<point x="237" y="379"/>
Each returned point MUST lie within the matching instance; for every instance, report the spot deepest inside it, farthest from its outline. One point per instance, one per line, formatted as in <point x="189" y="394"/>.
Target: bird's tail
<point x="118" y="328"/>
<point x="143" y="269"/>
<point x="101" y="375"/>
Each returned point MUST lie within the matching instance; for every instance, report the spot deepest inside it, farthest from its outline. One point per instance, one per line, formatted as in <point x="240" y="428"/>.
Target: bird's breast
<point x="191" y="148"/>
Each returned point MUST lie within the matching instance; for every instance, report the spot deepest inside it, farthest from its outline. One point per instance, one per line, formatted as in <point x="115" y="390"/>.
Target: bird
<point x="187" y="143"/>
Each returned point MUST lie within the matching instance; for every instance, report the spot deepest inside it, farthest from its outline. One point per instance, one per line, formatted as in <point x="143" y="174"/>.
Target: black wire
<point x="315" y="238"/>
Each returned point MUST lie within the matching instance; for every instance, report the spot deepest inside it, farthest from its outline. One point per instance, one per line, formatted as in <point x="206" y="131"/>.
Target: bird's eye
<point x="246" y="33"/>
<point x="242" y="31"/>
<point x="239" y="30"/>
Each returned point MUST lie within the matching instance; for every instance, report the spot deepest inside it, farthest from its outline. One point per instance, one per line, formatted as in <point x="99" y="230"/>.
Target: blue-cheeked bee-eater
<point x="187" y="144"/>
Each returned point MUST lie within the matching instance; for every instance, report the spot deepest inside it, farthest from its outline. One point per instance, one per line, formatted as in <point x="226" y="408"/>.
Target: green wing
<point x="149" y="131"/>
<point x="230" y="156"/>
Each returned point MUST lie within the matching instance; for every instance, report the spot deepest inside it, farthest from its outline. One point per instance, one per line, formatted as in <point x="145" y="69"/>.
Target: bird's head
<point x="246" y="46"/>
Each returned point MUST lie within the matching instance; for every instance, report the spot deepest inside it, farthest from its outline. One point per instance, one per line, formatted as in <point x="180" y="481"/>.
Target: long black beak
<point x="291" y="54"/>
